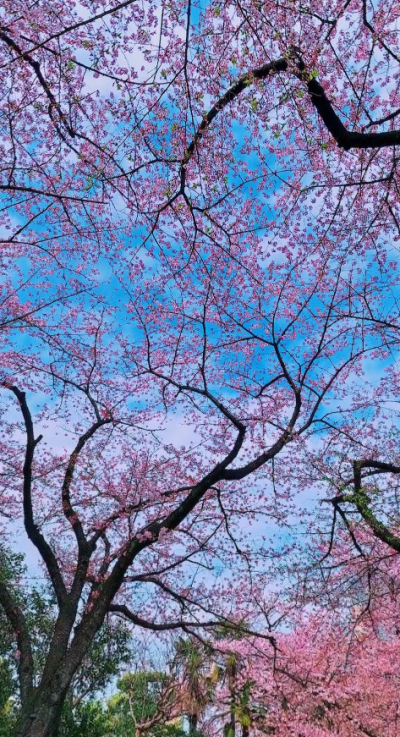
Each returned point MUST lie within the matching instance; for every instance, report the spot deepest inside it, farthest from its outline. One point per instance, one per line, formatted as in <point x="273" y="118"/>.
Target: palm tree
<point x="239" y="699"/>
<point x="239" y="696"/>
<point x="193" y="670"/>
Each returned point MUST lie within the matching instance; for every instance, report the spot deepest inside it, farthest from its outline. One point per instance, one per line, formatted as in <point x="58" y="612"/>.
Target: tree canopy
<point x="199" y="328"/>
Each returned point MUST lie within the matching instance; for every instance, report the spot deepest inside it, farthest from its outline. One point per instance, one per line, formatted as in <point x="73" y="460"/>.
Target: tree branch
<point x="158" y="627"/>
<point x="344" y="138"/>
<point x="33" y="532"/>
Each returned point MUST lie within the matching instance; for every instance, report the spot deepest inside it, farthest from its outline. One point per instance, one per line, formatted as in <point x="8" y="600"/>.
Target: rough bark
<point x="40" y="715"/>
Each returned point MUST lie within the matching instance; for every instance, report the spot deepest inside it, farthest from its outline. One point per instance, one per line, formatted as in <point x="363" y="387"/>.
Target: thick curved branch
<point x="236" y="474"/>
<point x="344" y="138"/>
<point x="69" y="511"/>
<point x="360" y="499"/>
<point x="380" y="466"/>
<point x="146" y="537"/>
<point x="33" y="532"/>
<point x="280" y="65"/>
<point x="85" y="547"/>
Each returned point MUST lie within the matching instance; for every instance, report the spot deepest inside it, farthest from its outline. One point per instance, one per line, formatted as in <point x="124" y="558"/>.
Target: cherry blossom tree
<point x="121" y="518"/>
<point x="199" y="222"/>
<point x="320" y="681"/>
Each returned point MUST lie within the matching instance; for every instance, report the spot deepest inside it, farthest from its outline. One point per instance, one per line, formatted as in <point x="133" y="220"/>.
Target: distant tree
<point x="146" y="703"/>
<point x="191" y="666"/>
<point x="87" y="719"/>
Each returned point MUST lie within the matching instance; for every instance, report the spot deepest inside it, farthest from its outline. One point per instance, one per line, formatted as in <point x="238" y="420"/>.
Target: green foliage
<point x="144" y="696"/>
<point x="138" y="696"/>
<point x="7" y="688"/>
<point x="12" y="569"/>
<point x="137" y="701"/>
<point x="88" y="719"/>
<point x="82" y="713"/>
<point x="110" y="650"/>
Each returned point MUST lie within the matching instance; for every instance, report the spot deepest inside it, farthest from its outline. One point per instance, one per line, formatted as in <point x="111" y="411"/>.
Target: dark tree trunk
<point x="192" y="724"/>
<point x="40" y="715"/>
